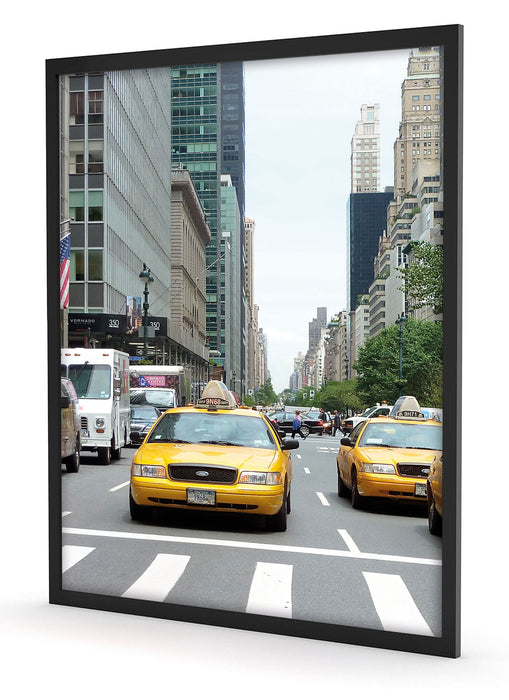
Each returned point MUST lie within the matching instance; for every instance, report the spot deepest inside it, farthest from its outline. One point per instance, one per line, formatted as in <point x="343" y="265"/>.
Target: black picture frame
<point x="450" y="37"/>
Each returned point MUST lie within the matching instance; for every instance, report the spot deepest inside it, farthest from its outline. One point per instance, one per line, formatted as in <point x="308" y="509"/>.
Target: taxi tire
<point x="434" y="519"/>
<point x="357" y="499"/>
<point x="142" y="513"/>
<point x="277" y="523"/>
<point x="343" y="491"/>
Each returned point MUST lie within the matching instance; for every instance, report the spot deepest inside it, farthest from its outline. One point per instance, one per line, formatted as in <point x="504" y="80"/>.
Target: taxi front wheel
<point x="142" y="513"/>
<point x="357" y="499"/>
<point x="278" y="522"/>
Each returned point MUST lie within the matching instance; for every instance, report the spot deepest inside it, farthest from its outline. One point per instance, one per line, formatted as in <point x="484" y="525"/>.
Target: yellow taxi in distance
<point x="434" y="493"/>
<point x="389" y="457"/>
<point x="215" y="456"/>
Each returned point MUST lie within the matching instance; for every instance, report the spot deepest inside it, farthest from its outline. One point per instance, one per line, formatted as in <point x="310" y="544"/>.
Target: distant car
<point x="373" y="412"/>
<point x="162" y="399"/>
<point x="326" y="424"/>
<point x="70" y="426"/>
<point x="214" y="456"/>
<point x="389" y="457"/>
<point x="434" y="494"/>
<point x="284" y="421"/>
<point x="142" y="419"/>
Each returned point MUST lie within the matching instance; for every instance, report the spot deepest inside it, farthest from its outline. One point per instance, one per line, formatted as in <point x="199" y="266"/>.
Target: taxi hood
<point x="394" y="455"/>
<point x="236" y="457"/>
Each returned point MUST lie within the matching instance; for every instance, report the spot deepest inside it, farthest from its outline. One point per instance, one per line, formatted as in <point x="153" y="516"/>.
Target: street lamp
<point x="145" y="275"/>
<point x="401" y="321"/>
<point x="234" y="380"/>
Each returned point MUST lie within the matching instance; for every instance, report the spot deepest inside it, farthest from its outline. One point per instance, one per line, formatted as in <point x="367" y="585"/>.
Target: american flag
<point x="65" y="254"/>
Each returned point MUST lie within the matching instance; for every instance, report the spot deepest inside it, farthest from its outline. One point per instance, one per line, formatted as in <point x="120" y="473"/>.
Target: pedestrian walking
<point x="336" y="423"/>
<point x="296" y="425"/>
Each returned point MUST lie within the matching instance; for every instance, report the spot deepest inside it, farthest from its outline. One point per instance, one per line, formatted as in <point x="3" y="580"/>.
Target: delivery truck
<point x="160" y="377"/>
<point x="101" y="379"/>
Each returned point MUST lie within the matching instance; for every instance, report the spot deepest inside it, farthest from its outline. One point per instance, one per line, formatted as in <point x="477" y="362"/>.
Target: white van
<point x="101" y="379"/>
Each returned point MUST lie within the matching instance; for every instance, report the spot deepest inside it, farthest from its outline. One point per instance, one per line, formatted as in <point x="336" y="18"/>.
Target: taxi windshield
<point x="91" y="381"/>
<point x="213" y="429"/>
<point x="403" y="435"/>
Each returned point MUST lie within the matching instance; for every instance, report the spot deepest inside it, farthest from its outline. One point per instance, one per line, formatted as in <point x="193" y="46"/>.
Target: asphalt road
<point x="377" y="568"/>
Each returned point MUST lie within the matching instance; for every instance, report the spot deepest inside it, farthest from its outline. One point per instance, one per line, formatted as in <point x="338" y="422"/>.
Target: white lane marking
<point x="307" y="470"/>
<point x="120" y="486"/>
<point x="349" y="541"/>
<point x="159" y="578"/>
<point x="271" y="590"/>
<point x="66" y="512"/>
<point x="322" y="498"/>
<point x="394" y="604"/>
<point x="249" y="545"/>
<point x="71" y="555"/>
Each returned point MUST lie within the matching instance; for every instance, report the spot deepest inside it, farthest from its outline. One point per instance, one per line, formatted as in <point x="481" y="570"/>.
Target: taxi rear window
<point x="213" y="428"/>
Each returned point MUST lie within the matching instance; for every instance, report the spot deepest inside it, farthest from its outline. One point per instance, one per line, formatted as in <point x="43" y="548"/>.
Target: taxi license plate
<point x="420" y="489"/>
<point x="201" y="497"/>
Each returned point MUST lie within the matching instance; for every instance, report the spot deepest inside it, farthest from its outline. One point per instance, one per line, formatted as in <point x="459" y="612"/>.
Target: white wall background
<point x="81" y="653"/>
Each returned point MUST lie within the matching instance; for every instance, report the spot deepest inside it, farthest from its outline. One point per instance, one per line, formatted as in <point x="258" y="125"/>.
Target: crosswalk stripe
<point x="394" y="604"/>
<point x="72" y="554"/>
<point x="159" y="578"/>
<point x="271" y="590"/>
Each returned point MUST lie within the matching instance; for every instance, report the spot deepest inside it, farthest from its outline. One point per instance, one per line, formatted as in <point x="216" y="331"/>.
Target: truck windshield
<point x="91" y="381"/>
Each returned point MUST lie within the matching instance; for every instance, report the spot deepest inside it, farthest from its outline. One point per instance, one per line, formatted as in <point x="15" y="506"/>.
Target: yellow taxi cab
<point x="434" y="494"/>
<point x="214" y="455"/>
<point x="389" y="457"/>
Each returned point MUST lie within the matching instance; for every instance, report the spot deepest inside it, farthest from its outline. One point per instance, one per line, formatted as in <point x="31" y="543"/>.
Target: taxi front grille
<point x="412" y="470"/>
<point x="200" y="473"/>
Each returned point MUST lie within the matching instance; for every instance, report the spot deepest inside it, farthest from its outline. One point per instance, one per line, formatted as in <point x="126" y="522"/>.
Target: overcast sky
<point x="300" y="118"/>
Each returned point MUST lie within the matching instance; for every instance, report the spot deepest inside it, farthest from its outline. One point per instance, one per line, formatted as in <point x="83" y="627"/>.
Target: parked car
<point x="142" y="419"/>
<point x="284" y="421"/>
<point x="70" y="426"/>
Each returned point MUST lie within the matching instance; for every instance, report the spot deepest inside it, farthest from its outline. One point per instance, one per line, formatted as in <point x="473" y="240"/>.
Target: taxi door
<point x="346" y="455"/>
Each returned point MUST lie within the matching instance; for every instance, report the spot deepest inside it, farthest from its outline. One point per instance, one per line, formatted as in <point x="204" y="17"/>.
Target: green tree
<point x="340" y="396"/>
<point x="424" y="277"/>
<point x="266" y="394"/>
<point x="378" y="364"/>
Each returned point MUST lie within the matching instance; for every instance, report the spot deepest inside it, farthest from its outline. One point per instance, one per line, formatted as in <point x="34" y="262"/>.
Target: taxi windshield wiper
<point x="220" y="442"/>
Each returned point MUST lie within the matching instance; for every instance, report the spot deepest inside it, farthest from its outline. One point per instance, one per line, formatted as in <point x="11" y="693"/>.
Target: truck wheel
<point x="116" y="452"/>
<point x="104" y="454"/>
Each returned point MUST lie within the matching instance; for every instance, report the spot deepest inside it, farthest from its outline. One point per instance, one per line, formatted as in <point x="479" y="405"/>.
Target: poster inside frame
<point x="445" y="641"/>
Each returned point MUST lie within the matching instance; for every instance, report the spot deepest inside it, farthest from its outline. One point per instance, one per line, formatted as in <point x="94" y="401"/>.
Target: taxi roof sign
<point x="407" y="407"/>
<point x="216" y="395"/>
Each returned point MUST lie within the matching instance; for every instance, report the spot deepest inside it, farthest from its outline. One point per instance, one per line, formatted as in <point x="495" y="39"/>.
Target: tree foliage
<point x="341" y="396"/>
<point x="266" y="395"/>
<point x="424" y="277"/>
<point x="378" y="364"/>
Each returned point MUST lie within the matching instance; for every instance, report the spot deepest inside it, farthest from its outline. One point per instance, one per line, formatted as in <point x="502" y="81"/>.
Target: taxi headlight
<point x="267" y="479"/>
<point x="377" y="468"/>
<point x="148" y="470"/>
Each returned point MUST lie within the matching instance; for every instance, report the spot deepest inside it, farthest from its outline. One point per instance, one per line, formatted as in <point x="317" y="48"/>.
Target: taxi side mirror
<point x="346" y="442"/>
<point x="290" y="444"/>
<point x="65" y="402"/>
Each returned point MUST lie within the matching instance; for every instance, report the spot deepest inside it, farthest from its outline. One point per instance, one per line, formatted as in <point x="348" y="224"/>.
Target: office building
<point x="365" y="147"/>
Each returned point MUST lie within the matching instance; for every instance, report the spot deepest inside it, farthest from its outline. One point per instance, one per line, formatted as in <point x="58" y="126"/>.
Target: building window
<point x="95" y="205"/>
<point x="77" y="266"/>
<point x="77" y="205"/>
<point x="95" y="265"/>
<point x="95" y="107"/>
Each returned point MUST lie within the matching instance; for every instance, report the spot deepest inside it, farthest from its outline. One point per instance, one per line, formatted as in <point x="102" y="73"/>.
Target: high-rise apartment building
<point x="208" y="139"/>
<point x="315" y="327"/>
<point x="366" y="223"/>
<point x="420" y="133"/>
<point x="365" y="158"/>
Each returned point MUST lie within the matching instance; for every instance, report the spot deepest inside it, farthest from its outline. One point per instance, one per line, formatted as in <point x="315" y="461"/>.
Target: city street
<point x="376" y="568"/>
